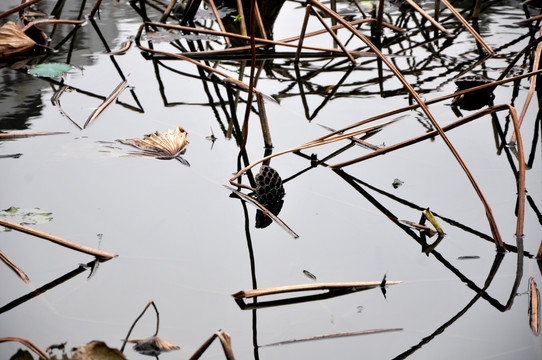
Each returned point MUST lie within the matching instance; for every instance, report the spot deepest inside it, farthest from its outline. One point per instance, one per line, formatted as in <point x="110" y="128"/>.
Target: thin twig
<point x="106" y="103"/>
<point x="137" y="319"/>
<point x="56" y="100"/>
<point x="25" y="135"/>
<point x="257" y="204"/>
<point x="332" y="336"/>
<point x="95" y="9"/>
<point x="57" y="240"/>
<point x="218" y="20"/>
<point x="335" y="37"/>
<point x="416" y="96"/>
<point x="532" y="87"/>
<point x="28" y="344"/>
<point x="428" y="17"/>
<point x="14" y="267"/>
<point x="244" y="294"/>
<point x="17" y="8"/>
<point x="52" y="21"/>
<point x="467" y="25"/>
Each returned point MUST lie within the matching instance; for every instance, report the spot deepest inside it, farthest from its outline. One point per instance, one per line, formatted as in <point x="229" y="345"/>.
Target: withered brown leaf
<point x="153" y="346"/>
<point x="161" y="145"/>
<point x="13" y="40"/>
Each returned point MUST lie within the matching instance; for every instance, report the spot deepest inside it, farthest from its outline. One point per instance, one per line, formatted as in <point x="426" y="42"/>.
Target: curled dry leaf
<point x="167" y="145"/>
<point x="153" y="346"/>
<point x="13" y="40"/>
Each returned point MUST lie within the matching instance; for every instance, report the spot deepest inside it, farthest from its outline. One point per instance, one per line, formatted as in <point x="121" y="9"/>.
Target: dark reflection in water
<point x="19" y="100"/>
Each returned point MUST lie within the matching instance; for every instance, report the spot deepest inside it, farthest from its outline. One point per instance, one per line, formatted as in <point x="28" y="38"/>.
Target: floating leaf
<point x="25" y="216"/>
<point x="13" y="40"/>
<point x="95" y="350"/>
<point x="165" y="146"/>
<point x="153" y="346"/>
<point x="49" y="69"/>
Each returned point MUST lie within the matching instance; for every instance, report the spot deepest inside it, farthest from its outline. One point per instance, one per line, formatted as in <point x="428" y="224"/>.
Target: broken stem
<point x="99" y="254"/>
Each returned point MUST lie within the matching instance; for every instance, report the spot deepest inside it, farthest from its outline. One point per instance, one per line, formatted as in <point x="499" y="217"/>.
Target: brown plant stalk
<point x="57" y="240"/>
<point x="415" y="95"/>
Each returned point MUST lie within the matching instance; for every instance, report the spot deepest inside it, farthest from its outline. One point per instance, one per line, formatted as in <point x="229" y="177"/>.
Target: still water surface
<point x="183" y="242"/>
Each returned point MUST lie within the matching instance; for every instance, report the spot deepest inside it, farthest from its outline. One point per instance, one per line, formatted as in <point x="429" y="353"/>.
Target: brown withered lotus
<point x="153" y="346"/>
<point x="13" y="40"/>
<point x="162" y="145"/>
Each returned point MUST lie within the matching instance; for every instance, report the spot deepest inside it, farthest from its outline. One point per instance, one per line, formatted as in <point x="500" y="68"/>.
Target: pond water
<point x="186" y="243"/>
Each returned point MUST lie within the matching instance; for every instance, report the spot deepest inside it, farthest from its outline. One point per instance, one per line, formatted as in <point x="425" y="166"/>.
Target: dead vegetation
<point x="177" y="35"/>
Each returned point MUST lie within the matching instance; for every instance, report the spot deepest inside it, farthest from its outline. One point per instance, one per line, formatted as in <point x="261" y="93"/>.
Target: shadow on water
<point x="236" y="53"/>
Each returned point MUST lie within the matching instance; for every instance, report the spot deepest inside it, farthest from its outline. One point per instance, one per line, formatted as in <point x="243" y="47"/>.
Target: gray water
<point x="185" y="243"/>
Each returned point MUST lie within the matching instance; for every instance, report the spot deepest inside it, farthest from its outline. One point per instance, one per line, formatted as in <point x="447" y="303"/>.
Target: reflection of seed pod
<point x="467" y="82"/>
<point x="269" y="187"/>
<point x="262" y="220"/>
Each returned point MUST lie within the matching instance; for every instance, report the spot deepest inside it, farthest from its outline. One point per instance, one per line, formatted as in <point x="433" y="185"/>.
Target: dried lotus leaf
<point x="166" y="145"/>
<point x="97" y="350"/>
<point x="13" y="40"/>
<point x="153" y="346"/>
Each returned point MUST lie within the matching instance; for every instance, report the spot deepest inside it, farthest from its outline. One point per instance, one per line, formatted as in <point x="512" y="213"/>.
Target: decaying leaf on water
<point x="97" y="350"/>
<point x="152" y="346"/>
<point x="165" y="146"/>
<point x="13" y="40"/>
<point x="25" y="216"/>
<point x="534" y="307"/>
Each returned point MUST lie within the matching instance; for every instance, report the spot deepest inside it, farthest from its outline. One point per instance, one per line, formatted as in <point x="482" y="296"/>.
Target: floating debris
<point x="468" y="257"/>
<point x="311" y="287"/>
<point x="396" y="183"/>
<point x="164" y="146"/>
<point x="171" y="35"/>
<point x="153" y="346"/>
<point x="309" y="275"/>
<point x="534" y="307"/>
<point x="332" y="336"/>
<point x="25" y="216"/>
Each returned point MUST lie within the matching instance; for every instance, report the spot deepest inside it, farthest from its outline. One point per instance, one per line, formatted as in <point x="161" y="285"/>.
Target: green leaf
<point x="49" y="69"/>
<point x="25" y="216"/>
